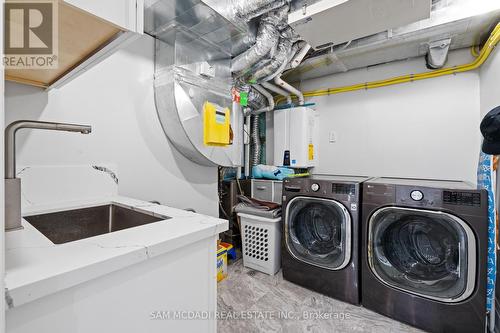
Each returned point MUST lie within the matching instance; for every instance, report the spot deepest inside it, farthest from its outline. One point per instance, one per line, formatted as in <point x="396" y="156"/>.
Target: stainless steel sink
<point x="71" y="225"/>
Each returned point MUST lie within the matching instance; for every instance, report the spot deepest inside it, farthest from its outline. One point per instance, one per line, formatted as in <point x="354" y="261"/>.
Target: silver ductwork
<point x="267" y="38"/>
<point x="266" y="68"/>
<point x="194" y="47"/>
<point x="291" y="55"/>
<point x="180" y="93"/>
<point x="247" y="10"/>
<point x="204" y="48"/>
<point x="256" y="100"/>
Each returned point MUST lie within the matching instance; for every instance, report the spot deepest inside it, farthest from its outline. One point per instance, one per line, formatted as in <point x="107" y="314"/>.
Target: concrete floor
<point x="251" y="302"/>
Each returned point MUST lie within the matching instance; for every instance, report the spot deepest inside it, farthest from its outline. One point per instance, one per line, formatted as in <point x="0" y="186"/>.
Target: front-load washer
<point x="424" y="252"/>
<point x="321" y="234"/>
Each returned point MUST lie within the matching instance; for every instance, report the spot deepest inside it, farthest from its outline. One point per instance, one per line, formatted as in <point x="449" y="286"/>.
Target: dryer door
<point x="427" y="253"/>
<point x="318" y="232"/>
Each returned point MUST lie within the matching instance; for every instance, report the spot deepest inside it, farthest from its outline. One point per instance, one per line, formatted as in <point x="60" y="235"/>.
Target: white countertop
<point x="35" y="267"/>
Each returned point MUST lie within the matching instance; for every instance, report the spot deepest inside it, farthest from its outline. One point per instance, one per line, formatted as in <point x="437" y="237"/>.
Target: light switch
<point x="332" y="137"/>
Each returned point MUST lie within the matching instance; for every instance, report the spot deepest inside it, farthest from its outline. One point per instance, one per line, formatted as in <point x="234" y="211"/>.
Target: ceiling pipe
<point x="269" y="97"/>
<point x="300" y="56"/>
<point x="248" y="119"/>
<point x="278" y="90"/>
<point x="279" y="81"/>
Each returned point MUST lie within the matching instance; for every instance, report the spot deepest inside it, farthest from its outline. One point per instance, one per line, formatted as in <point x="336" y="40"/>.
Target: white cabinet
<point x="88" y="31"/>
<point x="324" y="23"/>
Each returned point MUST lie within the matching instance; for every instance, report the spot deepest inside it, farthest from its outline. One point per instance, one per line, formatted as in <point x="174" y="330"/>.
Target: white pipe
<point x="279" y="81"/>
<point x="247" y="145"/>
<point x="278" y="90"/>
<point x="237" y="109"/>
<point x="300" y="56"/>
<point x="269" y="97"/>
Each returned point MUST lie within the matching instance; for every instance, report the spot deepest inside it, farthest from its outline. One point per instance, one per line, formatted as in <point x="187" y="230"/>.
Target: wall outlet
<point x="332" y="137"/>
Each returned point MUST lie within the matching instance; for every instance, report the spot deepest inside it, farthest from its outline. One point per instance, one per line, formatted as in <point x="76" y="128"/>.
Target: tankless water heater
<point x="294" y="140"/>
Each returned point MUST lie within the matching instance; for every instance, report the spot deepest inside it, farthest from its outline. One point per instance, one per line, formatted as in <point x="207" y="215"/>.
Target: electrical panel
<point x="294" y="140"/>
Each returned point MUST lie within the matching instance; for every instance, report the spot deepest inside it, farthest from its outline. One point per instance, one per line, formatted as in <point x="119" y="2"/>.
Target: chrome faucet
<point x="13" y="184"/>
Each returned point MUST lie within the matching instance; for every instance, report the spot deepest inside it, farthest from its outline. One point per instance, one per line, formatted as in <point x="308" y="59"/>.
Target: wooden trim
<point x="25" y="81"/>
<point x="81" y="35"/>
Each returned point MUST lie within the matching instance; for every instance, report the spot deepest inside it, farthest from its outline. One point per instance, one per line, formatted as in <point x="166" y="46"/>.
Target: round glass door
<point x="427" y="253"/>
<point x="318" y="232"/>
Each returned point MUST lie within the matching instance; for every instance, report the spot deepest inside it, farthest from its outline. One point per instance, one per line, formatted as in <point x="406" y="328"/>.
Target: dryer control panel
<point x="418" y="196"/>
<point x="349" y="189"/>
<point x="462" y="198"/>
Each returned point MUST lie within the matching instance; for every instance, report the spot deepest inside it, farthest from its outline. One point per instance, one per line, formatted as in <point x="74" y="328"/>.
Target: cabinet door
<point x="126" y="14"/>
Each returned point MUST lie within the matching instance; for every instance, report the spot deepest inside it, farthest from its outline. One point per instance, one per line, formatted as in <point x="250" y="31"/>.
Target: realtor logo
<point x="31" y="34"/>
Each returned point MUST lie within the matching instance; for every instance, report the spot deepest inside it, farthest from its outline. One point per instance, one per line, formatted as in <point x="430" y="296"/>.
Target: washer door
<point x="426" y="253"/>
<point x="318" y="232"/>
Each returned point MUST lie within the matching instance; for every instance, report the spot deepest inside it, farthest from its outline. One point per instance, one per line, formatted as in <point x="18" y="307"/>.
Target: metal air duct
<point x="194" y="47"/>
<point x="267" y="39"/>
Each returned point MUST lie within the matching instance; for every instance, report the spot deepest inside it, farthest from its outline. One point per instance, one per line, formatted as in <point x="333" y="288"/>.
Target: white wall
<point x="117" y="99"/>
<point x="490" y="82"/>
<point x="425" y="129"/>
<point x="2" y="199"/>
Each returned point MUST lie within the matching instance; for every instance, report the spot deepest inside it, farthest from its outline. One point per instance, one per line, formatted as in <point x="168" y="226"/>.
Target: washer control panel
<point x="418" y="197"/>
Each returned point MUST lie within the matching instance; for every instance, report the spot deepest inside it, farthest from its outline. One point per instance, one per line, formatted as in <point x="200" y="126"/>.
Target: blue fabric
<point x="485" y="181"/>
<point x="271" y="172"/>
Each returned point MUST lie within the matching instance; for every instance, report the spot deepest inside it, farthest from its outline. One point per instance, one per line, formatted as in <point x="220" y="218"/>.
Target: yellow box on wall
<point x="216" y="125"/>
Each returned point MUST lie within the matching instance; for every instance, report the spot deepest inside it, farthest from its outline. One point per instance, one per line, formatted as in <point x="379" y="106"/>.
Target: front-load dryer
<point x="321" y="234"/>
<point x="424" y="250"/>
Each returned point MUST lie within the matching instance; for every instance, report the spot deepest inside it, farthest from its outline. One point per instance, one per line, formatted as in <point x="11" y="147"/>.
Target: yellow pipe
<point x="474" y="50"/>
<point x="481" y="58"/>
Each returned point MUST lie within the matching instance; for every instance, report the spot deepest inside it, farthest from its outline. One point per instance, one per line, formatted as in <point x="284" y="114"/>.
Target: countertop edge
<point x="18" y="296"/>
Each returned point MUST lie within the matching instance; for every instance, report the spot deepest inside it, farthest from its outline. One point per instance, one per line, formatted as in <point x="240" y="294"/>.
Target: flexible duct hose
<point x="267" y="38"/>
<point x="256" y="145"/>
<point x="269" y="67"/>
<point x="247" y="10"/>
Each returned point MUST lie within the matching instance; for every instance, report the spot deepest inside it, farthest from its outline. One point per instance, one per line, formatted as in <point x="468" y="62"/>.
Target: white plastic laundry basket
<point x="261" y="238"/>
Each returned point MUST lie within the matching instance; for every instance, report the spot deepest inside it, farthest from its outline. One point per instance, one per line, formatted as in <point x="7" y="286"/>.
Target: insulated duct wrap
<point x="255" y="99"/>
<point x="291" y="55"/>
<point x="267" y="38"/>
<point x="247" y="10"/>
<point x="265" y="69"/>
